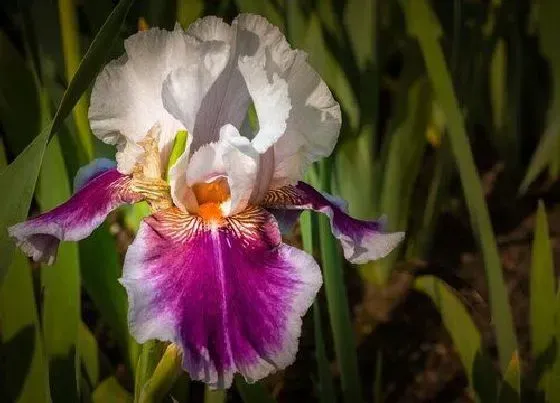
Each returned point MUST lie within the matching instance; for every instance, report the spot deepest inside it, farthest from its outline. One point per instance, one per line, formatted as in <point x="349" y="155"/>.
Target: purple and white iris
<point x="208" y="269"/>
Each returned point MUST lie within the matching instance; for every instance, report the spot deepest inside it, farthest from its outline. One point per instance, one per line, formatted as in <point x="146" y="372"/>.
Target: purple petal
<point x="76" y="219"/>
<point x="361" y="241"/>
<point x="231" y="295"/>
<point x="91" y="170"/>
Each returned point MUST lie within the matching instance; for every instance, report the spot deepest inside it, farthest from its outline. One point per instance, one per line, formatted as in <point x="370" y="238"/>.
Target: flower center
<point x="210" y="196"/>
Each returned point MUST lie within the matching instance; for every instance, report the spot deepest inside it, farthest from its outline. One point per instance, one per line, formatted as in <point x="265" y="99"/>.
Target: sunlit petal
<point x="231" y="296"/>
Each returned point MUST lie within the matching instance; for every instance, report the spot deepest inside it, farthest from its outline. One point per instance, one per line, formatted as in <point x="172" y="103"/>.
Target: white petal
<point x="181" y="193"/>
<point x="312" y="128"/>
<point x="271" y="100"/>
<point x="241" y="164"/>
<point x="210" y="28"/>
<point x="314" y="122"/>
<point x="126" y="97"/>
<point x="184" y="88"/>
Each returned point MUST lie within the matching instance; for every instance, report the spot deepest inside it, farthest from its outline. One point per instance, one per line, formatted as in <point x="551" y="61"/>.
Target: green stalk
<point x="344" y="343"/>
<point x="326" y="387"/>
<point x="72" y="57"/>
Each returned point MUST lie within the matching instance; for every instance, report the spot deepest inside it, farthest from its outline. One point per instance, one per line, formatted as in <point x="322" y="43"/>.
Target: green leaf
<point x="546" y="151"/>
<point x="164" y="376"/>
<point x="360" y="19"/>
<point x="21" y="175"/>
<point x="337" y="302"/>
<point x="214" y="396"/>
<point x="321" y="58"/>
<point x="150" y="355"/>
<point x="266" y="8"/>
<point x="100" y="269"/>
<point x="110" y="391"/>
<point x="19" y="100"/>
<point x="423" y="24"/>
<point x="89" y="353"/>
<point x="542" y="291"/>
<point x="61" y="311"/>
<point x="72" y="55"/>
<point x="510" y="388"/>
<point x="465" y="335"/>
<point x="188" y="11"/>
<point x="252" y="392"/>
<point x="325" y="386"/>
<point x="25" y="356"/>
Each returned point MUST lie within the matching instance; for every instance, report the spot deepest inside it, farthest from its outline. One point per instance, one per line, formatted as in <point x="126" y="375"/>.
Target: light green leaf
<point x="26" y="373"/>
<point x="89" y="353"/>
<point x="150" y="355"/>
<point x="542" y="292"/>
<point x="166" y="372"/>
<point x="423" y="24"/>
<point x="465" y="335"/>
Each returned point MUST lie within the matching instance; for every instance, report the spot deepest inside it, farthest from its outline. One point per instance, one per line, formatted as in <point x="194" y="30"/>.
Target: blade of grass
<point x="72" y="55"/>
<point x="21" y="175"/>
<point x="18" y="316"/>
<point x="423" y="25"/>
<point x="337" y="302"/>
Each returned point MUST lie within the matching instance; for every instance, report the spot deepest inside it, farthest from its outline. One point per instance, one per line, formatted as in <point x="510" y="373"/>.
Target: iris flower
<point x="208" y="270"/>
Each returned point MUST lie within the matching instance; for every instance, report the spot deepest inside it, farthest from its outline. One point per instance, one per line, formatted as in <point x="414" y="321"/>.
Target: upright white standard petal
<point x="126" y="97"/>
<point x="185" y="88"/>
<point x="313" y="125"/>
<point x="314" y="120"/>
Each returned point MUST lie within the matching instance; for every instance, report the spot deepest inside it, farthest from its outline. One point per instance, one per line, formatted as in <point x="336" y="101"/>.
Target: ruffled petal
<point x="232" y="296"/>
<point x="126" y="97"/>
<point x="361" y="241"/>
<point x="312" y="127"/>
<point x="185" y="88"/>
<point x="76" y="219"/>
<point x="314" y="121"/>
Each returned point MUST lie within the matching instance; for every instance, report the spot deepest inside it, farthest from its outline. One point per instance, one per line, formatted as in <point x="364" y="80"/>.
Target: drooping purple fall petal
<point x="232" y="295"/>
<point x="76" y="219"/>
<point x="361" y="241"/>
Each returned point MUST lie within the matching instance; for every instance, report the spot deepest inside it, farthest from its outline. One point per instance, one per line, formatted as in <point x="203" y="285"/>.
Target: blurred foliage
<point x="437" y="96"/>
